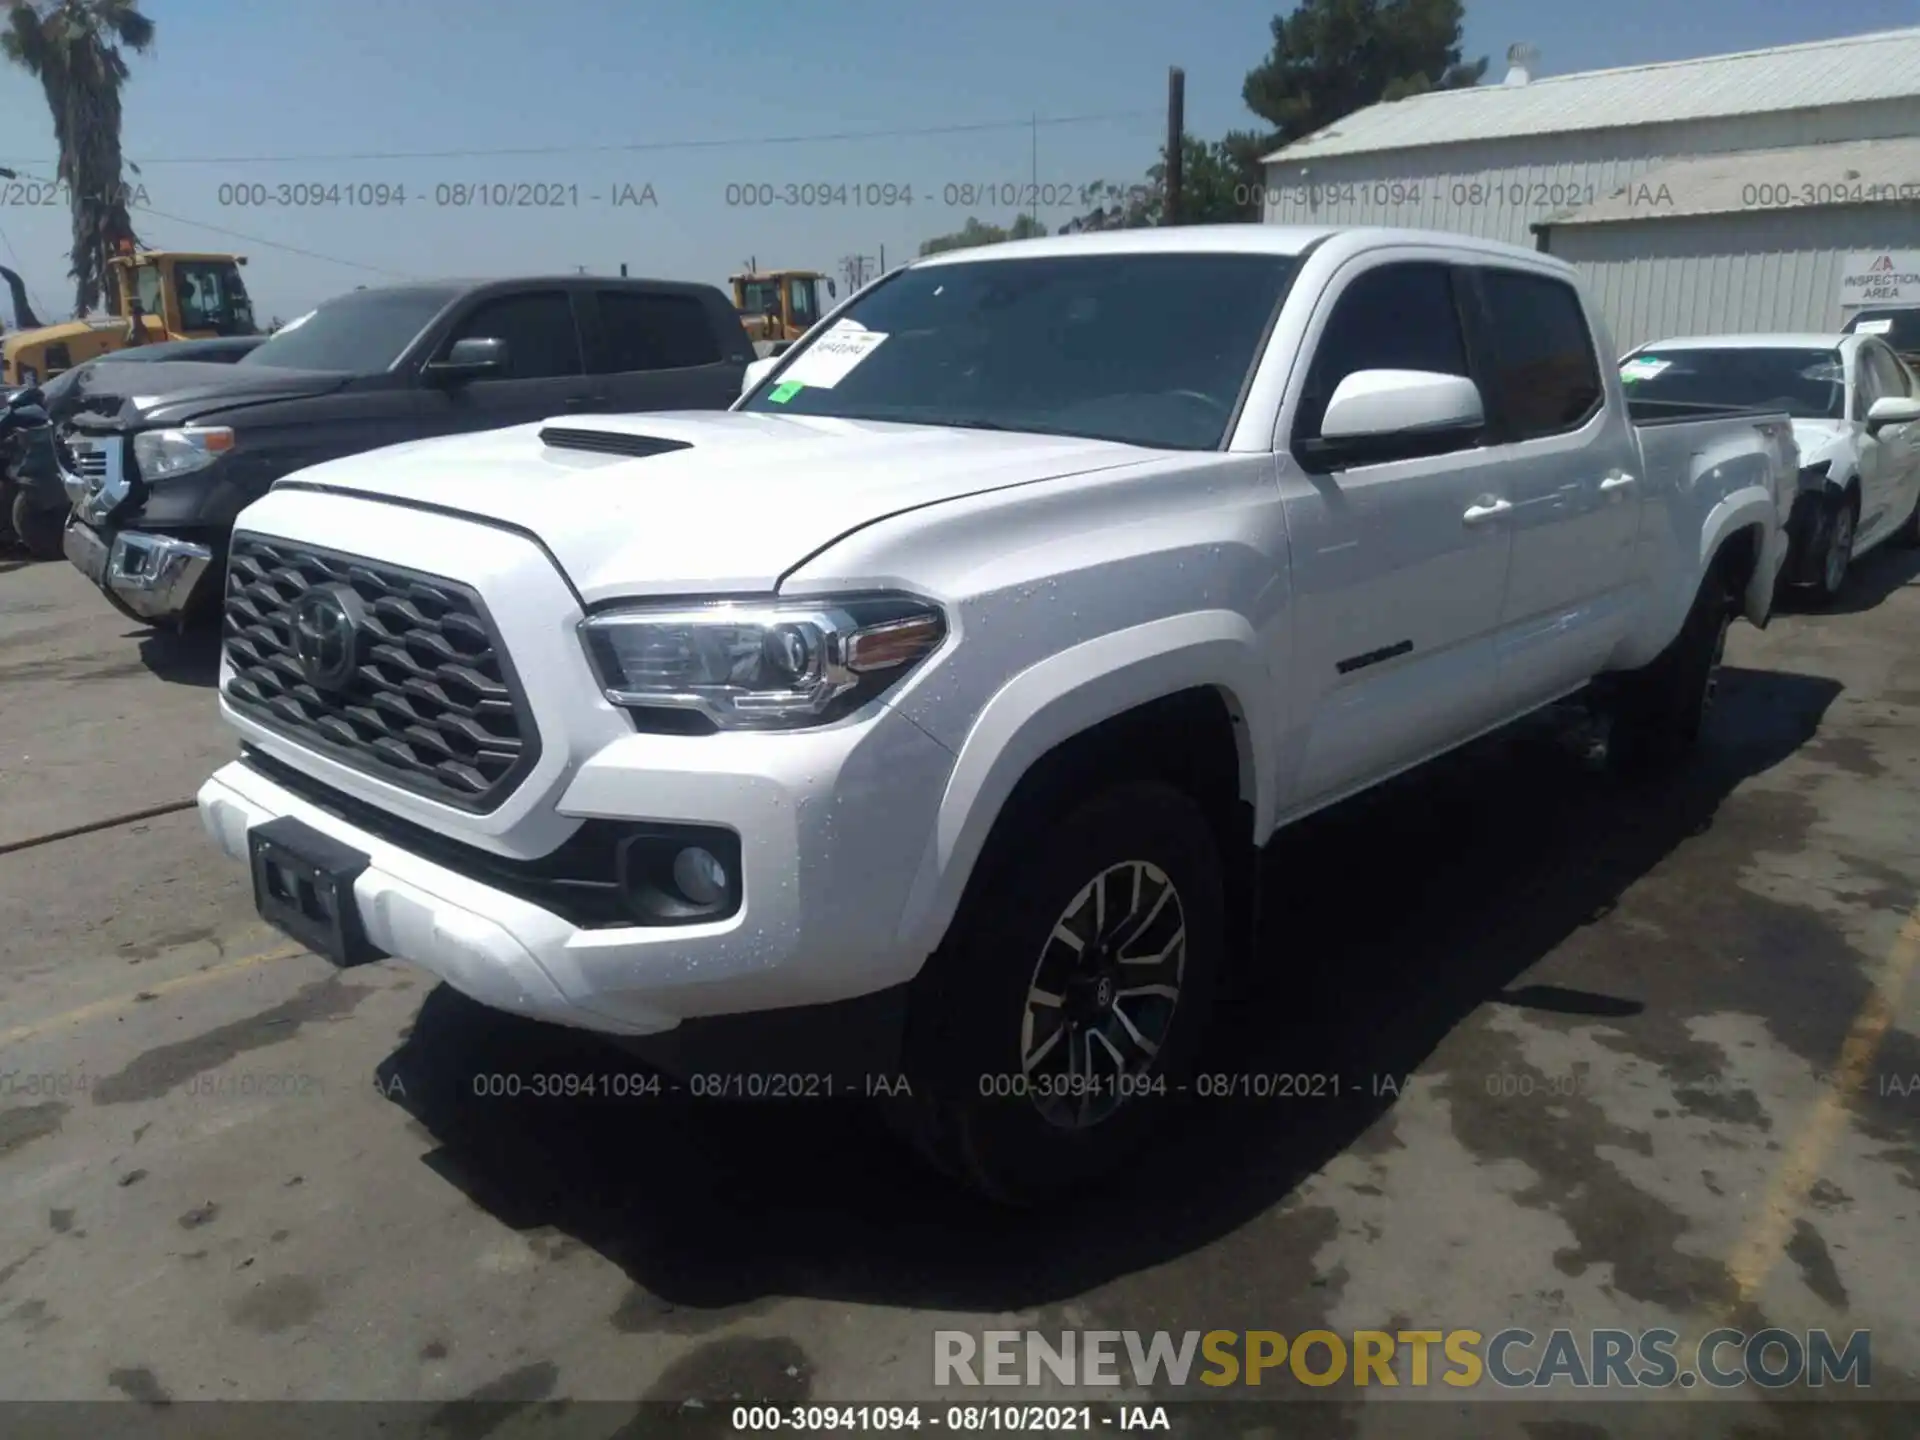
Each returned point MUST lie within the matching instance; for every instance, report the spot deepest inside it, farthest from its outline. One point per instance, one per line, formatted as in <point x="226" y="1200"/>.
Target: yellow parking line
<point x="1765" y="1237"/>
<point x="164" y="987"/>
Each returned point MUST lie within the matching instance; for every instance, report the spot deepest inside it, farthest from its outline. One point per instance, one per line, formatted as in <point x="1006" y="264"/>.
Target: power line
<point x="238" y="235"/>
<point x="636" y="147"/>
<point x="273" y="244"/>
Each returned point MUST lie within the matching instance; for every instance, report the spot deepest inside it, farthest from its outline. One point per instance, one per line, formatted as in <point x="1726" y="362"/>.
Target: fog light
<point x="699" y="876"/>
<point x="680" y="874"/>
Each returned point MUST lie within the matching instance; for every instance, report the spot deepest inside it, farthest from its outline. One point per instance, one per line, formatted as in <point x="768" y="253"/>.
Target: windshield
<point x="1807" y="384"/>
<point x="212" y="297"/>
<point x="359" y="334"/>
<point x="1899" y="328"/>
<point x="760" y="297"/>
<point x="1146" y="349"/>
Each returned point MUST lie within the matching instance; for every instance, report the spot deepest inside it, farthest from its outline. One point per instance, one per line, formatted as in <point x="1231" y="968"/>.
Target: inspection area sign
<point x="1881" y="277"/>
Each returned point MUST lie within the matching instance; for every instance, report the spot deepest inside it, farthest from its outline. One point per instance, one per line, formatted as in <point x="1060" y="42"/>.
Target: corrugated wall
<point x="1497" y="188"/>
<point x="1719" y="274"/>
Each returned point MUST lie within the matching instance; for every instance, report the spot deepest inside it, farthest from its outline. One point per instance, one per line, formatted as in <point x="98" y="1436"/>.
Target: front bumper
<point x="831" y="829"/>
<point x="155" y="576"/>
<point x="1807" y="528"/>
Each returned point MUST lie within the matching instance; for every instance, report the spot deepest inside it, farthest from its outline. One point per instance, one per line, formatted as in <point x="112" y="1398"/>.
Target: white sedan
<point x="1856" y="416"/>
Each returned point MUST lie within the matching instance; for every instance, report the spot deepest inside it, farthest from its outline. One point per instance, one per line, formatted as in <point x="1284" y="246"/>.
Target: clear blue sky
<point x="234" y="90"/>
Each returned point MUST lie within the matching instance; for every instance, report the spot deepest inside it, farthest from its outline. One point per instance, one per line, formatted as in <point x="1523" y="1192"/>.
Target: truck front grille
<point x="86" y="458"/>
<point x="428" y="700"/>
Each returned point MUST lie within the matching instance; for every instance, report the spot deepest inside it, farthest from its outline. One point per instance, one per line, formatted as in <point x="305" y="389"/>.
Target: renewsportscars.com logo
<point x="1462" y="1359"/>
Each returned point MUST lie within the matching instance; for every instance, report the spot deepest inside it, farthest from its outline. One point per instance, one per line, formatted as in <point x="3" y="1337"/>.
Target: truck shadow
<point x="182" y="657"/>
<point x="1404" y="913"/>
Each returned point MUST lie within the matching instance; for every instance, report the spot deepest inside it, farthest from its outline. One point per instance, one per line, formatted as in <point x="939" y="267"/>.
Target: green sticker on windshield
<point x="780" y="394"/>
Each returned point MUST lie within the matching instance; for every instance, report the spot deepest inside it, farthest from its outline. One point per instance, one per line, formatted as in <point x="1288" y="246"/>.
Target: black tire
<point x="39" y="530"/>
<point x="972" y="1010"/>
<point x="1830" y="567"/>
<point x="1658" y="709"/>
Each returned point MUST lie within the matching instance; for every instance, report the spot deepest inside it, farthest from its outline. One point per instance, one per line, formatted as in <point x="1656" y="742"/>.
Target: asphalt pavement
<point x="1600" y="1055"/>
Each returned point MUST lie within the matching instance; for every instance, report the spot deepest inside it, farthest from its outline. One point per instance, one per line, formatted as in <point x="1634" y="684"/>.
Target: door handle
<point x="1615" y="482"/>
<point x="1486" y="510"/>
<point x="581" y="402"/>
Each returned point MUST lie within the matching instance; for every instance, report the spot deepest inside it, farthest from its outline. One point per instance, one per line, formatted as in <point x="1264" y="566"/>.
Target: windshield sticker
<point x="1873" y="327"/>
<point x="832" y="357"/>
<point x="1644" y="367"/>
<point x="780" y="394"/>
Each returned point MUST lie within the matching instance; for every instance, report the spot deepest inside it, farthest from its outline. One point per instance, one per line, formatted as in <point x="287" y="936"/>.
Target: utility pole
<point x="1176" y="137"/>
<point x="1036" y="171"/>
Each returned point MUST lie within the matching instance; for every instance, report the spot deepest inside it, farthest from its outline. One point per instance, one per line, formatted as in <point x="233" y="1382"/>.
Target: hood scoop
<point x="609" y="442"/>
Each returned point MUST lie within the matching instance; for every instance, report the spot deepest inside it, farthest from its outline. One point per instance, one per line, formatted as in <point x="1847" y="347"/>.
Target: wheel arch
<point x="1745" y="542"/>
<point x="1185" y="699"/>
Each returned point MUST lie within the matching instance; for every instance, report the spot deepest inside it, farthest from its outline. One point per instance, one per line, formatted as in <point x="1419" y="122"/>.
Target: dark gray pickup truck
<point x="158" y="459"/>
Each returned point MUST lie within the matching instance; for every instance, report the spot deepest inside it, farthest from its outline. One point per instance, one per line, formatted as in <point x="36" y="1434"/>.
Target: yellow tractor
<point x="777" y="307"/>
<point x="156" y="295"/>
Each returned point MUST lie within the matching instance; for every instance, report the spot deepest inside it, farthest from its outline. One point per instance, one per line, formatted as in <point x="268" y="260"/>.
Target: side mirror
<point x="1376" y="416"/>
<point x="1892" y="410"/>
<point x="833" y="291"/>
<point x="1376" y="404"/>
<point x="23" y="397"/>
<point x="757" y="371"/>
<point x="473" y="359"/>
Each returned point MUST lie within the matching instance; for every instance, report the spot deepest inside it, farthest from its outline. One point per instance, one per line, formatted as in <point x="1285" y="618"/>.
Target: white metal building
<point x="1570" y="162"/>
<point x="1781" y="240"/>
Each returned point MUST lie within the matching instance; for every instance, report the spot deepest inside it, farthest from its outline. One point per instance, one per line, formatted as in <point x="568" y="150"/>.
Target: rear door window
<point x="645" y="331"/>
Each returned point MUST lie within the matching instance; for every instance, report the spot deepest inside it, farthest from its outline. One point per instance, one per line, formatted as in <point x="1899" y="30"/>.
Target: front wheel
<point x="1061" y="1022"/>
<point x="39" y="530"/>
<point x="1660" y="708"/>
<point x="1836" y="557"/>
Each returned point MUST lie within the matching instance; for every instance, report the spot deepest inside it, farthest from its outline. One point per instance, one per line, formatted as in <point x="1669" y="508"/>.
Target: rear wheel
<point x="1660" y="708"/>
<point x="1060" y="1023"/>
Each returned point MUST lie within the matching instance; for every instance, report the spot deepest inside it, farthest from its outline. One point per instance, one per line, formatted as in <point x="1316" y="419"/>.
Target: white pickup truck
<point x="913" y="725"/>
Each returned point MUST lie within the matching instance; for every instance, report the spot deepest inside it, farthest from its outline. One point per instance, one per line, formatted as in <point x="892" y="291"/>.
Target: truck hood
<point x="1827" y="440"/>
<point x="110" y="396"/>
<point x="730" y="502"/>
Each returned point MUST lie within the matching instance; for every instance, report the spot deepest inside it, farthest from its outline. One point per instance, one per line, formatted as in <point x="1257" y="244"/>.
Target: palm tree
<point x="75" y="49"/>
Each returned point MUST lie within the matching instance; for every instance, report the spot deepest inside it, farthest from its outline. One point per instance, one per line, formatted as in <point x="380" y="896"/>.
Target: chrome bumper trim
<point x="155" y="576"/>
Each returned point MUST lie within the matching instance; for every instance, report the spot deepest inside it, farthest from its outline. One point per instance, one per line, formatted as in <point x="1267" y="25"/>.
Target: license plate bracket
<point x="303" y="885"/>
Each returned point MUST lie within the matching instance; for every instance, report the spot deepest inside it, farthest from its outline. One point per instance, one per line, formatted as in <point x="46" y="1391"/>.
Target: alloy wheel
<point x="1839" y="548"/>
<point x="1103" y="995"/>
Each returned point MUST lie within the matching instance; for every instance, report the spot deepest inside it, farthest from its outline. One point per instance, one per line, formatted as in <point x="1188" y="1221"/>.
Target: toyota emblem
<point x="327" y="630"/>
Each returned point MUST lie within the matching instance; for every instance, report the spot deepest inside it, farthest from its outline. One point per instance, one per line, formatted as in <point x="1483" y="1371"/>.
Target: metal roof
<point x="1880" y="66"/>
<point x="1859" y="172"/>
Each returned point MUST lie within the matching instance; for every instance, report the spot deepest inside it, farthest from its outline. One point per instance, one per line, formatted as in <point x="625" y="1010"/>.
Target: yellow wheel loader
<point x="154" y="295"/>
<point x="777" y="307"/>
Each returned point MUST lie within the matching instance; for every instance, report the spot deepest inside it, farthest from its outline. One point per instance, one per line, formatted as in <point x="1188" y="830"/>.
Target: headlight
<point x="164" y="453"/>
<point x="759" y="665"/>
